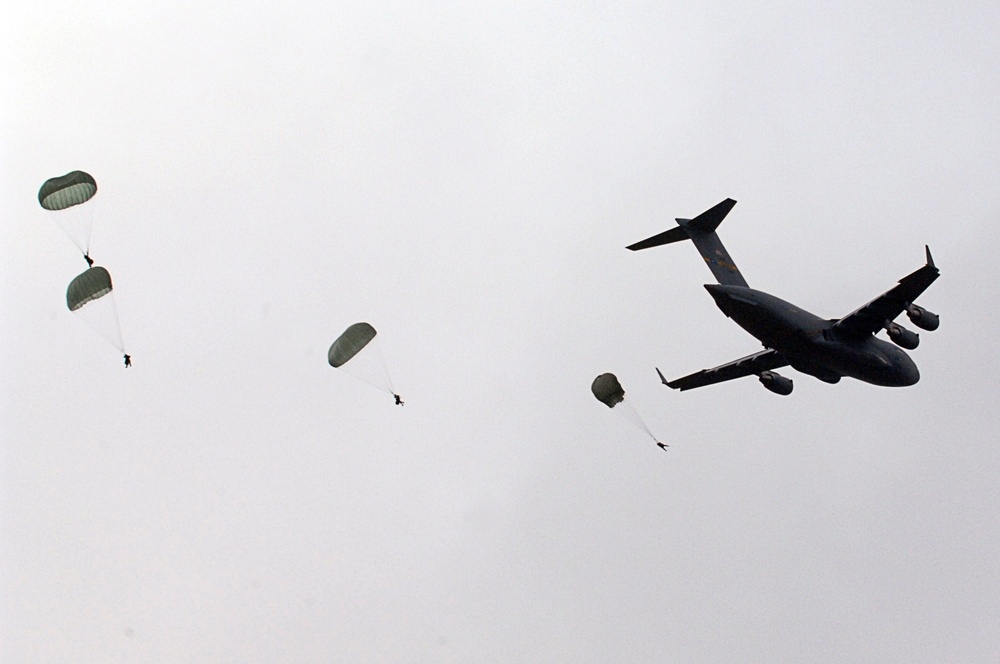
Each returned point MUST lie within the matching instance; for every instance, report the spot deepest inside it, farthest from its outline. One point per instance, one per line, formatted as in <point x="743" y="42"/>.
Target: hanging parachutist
<point x="399" y="400"/>
<point x="662" y="446"/>
<point x="90" y="261"/>
<point x="128" y="360"/>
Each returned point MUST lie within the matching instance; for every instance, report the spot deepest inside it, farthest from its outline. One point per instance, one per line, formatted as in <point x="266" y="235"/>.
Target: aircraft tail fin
<point x="701" y="231"/>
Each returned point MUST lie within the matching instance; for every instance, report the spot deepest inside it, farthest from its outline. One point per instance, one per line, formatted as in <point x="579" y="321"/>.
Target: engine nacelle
<point x="922" y="318"/>
<point x="776" y="382"/>
<point x="902" y="337"/>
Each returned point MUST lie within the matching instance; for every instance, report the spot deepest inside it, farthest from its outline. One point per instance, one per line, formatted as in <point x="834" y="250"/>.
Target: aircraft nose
<point x="904" y="369"/>
<point x="910" y="373"/>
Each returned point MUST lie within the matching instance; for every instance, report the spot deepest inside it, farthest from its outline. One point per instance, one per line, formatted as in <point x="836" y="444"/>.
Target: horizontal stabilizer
<point x="701" y="231"/>
<point x="666" y="237"/>
<point x="709" y="220"/>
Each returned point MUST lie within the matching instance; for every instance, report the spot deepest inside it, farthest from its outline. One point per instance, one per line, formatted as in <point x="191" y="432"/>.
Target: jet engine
<point x="902" y="337"/>
<point x="776" y="382"/>
<point x="922" y="318"/>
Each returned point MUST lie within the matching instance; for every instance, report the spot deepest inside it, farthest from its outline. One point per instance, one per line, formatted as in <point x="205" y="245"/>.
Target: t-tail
<point x="701" y="231"/>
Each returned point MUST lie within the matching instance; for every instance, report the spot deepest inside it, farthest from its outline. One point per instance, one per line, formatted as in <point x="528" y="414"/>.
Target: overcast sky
<point x="465" y="177"/>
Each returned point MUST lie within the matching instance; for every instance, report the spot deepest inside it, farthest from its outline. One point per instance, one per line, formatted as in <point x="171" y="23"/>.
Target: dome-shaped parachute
<point x="74" y="188"/>
<point x="356" y="352"/>
<point x="93" y="284"/>
<point x="609" y="391"/>
<point x="91" y="297"/>
<point x="65" y="196"/>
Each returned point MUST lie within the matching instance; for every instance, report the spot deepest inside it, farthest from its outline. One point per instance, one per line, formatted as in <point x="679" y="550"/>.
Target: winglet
<point x="930" y="261"/>
<point x="662" y="378"/>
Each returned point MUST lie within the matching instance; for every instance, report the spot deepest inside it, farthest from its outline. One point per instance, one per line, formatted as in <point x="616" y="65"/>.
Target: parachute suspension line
<point x="633" y="415"/>
<point x="384" y="365"/>
<point x="118" y="324"/>
<point x="91" y="209"/>
<point x="358" y="352"/>
<point x="89" y="212"/>
<point x="101" y="316"/>
<point x="609" y="391"/>
<point x="90" y="296"/>
<point x="368" y="366"/>
<point x="77" y="224"/>
<point x="368" y="381"/>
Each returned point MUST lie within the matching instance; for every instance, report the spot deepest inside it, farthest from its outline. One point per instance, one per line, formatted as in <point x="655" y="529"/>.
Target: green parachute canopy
<point x="350" y="343"/>
<point x="66" y="191"/>
<point x="608" y="390"/>
<point x="93" y="284"/>
<point x="90" y="297"/>
<point x="357" y="352"/>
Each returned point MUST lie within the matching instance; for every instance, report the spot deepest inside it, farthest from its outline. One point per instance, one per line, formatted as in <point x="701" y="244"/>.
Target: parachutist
<point x="399" y="400"/>
<point x="662" y="446"/>
<point x="128" y="360"/>
<point x="90" y="261"/>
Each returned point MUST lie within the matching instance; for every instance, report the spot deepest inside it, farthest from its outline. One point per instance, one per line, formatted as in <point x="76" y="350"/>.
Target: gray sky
<point x="465" y="177"/>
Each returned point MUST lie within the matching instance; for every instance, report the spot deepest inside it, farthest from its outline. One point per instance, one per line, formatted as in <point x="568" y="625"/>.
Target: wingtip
<point x="663" y="379"/>
<point x="930" y="259"/>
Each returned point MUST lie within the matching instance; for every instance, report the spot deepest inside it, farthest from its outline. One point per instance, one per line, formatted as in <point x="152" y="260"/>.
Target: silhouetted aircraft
<point x="826" y="349"/>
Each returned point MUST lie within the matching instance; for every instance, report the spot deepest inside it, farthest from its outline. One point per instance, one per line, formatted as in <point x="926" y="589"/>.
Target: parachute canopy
<point x="608" y="390"/>
<point x="349" y="343"/>
<point x="93" y="284"/>
<point x="91" y="298"/>
<point x="357" y="352"/>
<point x="63" y="192"/>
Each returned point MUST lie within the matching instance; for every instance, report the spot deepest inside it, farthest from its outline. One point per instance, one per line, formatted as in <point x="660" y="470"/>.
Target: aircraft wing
<point x="871" y="318"/>
<point x="750" y="365"/>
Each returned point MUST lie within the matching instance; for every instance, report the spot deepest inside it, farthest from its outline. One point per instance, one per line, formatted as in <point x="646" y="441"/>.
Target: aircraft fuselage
<point x="810" y="343"/>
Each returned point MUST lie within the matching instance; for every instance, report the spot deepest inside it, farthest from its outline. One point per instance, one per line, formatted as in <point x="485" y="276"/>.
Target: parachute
<point x="63" y="192"/>
<point x="92" y="285"/>
<point x="356" y="352"/>
<point x="91" y="296"/>
<point x="350" y="343"/>
<point x="609" y="391"/>
<point x="64" y="195"/>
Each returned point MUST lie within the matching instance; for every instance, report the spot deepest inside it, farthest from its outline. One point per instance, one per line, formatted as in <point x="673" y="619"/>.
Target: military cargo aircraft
<point x="825" y="349"/>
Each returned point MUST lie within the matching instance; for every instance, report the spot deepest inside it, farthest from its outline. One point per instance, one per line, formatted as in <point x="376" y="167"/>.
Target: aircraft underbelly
<point x="780" y="329"/>
<point x="872" y="361"/>
<point x="809" y="342"/>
